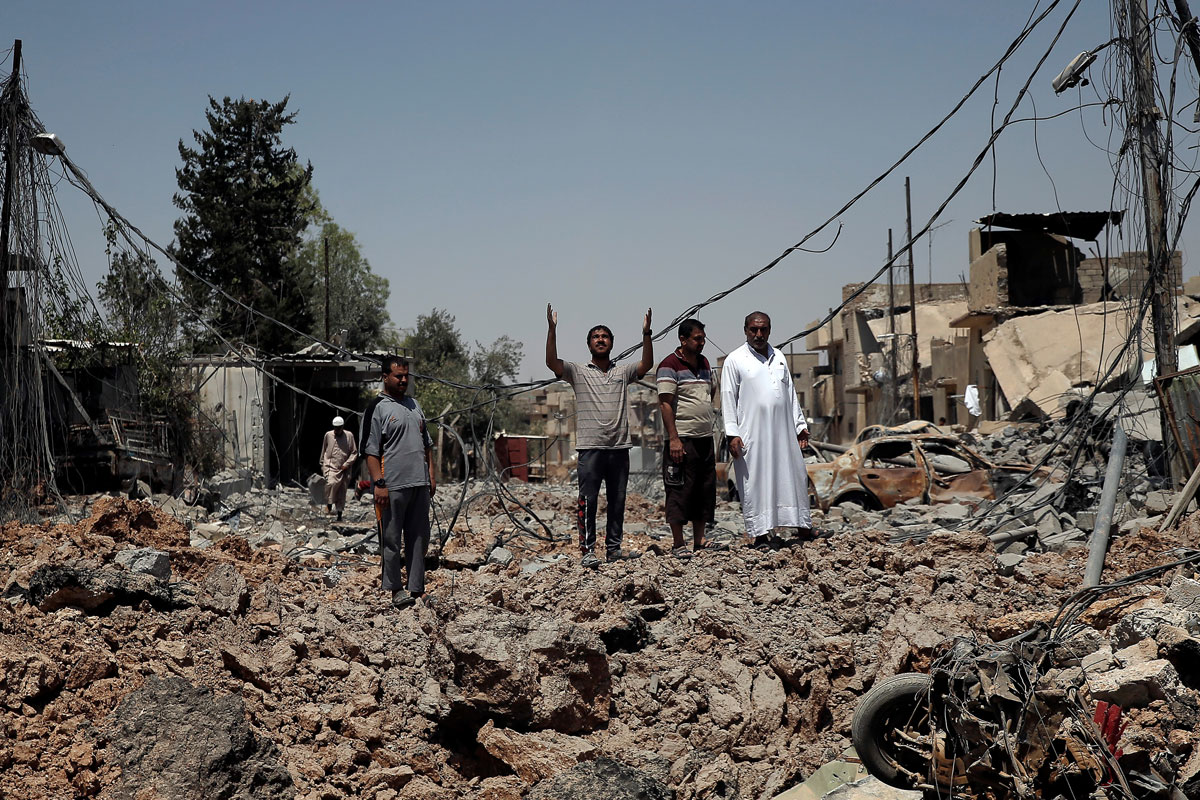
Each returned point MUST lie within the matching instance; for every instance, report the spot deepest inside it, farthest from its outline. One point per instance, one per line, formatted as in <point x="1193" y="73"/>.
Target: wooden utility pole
<point x="327" y="288"/>
<point x="893" y="365"/>
<point x="1143" y="118"/>
<point x="912" y="302"/>
<point x="10" y="162"/>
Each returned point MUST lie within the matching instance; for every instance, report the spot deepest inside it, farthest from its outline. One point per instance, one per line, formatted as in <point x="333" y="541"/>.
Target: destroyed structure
<point x="1036" y="322"/>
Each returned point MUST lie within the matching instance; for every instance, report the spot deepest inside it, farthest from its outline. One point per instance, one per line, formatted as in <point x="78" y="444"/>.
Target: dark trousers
<point x="404" y="529"/>
<point x="611" y="467"/>
<point x="695" y="499"/>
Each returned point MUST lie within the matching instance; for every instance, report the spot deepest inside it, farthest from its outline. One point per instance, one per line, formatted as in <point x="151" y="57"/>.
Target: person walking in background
<point x="339" y="451"/>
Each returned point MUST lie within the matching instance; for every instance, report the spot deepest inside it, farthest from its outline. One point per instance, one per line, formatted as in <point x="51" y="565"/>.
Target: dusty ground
<point x="733" y="674"/>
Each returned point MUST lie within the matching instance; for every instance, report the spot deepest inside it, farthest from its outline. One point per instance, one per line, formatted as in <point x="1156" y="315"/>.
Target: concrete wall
<point x="876" y="295"/>
<point x="1125" y="275"/>
<point x="989" y="280"/>
<point x="232" y="397"/>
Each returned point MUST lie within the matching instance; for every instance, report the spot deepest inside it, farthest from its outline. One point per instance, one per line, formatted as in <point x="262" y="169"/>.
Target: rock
<point x="1185" y="593"/>
<point x="1145" y="622"/>
<point x="1159" y="502"/>
<point x="331" y="666"/>
<point x="391" y="777"/>
<point x="174" y="741"/>
<point x="1060" y="542"/>
<point x="1137" y="684"/>
<point x="541" y="562"/>
<point x="947" y="513"/>
<point x="245" y="665"/>
<point x="500" y="555"/>
<point x="463" y="559"/>
<point x="55" y="586"/>
<point x="602" y="779"/>
<point x="1048" y="524"/>
<point x="146" y="561"/>
<point x="1136" y="524"/>
<point x="224" y="590"/>
<point x="534" y="756"/>
<point x="28" y="676"/>
<point x="1007" y="562"/>
<point x="529" y="670"/>
<point x="1086" y="521"/>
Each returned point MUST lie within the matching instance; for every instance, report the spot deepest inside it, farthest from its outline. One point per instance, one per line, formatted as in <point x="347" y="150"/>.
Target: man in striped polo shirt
<point x="601" y="430"/>
<point x="685" y="393"/>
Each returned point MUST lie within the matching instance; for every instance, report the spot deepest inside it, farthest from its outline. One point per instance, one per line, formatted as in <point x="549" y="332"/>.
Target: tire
<point x="898" y="703"/>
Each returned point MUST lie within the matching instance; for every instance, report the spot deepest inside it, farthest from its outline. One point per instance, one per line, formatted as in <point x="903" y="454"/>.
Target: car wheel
<point x="891" y="733"/>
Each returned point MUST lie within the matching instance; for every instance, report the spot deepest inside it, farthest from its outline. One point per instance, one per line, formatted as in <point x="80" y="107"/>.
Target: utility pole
<point x="10" y="162"/>
<point x="326" y="239"/>
<point x="893" y="366"/>
<point x="1143" y="118"/>
<point x="912" y="302"/>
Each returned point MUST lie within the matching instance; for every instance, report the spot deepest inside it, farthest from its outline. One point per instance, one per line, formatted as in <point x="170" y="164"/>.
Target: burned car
<point x="888" y="470"/>
<point x="903" y="429"/>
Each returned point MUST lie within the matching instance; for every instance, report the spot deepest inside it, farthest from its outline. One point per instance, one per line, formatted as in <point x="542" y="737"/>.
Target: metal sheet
<point x="1179" y="393"/>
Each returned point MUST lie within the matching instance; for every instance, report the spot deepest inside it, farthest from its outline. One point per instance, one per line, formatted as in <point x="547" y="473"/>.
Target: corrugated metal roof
<point x="1075" y="224"/>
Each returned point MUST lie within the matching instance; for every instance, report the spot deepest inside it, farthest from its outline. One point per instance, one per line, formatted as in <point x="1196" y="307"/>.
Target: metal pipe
<point x="1098" y="544"/>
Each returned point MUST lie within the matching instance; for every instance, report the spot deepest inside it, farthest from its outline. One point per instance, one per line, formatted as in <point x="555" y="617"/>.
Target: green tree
<point x="357" y="296"/>
<point x="439" y="351"/>
<point x="243" y="197"/>
<point x="142" y="309"/>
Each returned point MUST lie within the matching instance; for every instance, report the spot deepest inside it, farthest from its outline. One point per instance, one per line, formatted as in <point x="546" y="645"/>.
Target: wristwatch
<point x="381" y="484"/>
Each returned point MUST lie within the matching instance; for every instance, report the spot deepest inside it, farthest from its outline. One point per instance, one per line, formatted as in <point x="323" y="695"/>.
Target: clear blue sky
<point x="493" y="156"/>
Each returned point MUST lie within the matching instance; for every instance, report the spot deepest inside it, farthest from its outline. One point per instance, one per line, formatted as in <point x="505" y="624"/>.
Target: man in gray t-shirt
<point x="601" y="430"/>
<point x="400" y="459"/>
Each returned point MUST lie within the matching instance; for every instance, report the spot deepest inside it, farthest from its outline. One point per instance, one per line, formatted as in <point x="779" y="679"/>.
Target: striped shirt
<point x="691" y="391"/>
<point x="601" y="404"/>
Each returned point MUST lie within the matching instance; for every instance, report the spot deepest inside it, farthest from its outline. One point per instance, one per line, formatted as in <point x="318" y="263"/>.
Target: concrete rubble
<point x="728" y="675"/>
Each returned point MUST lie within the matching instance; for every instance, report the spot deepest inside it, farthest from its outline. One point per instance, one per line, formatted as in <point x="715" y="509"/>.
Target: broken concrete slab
<point x="146" y="561"/>
<point x="537" y="755"/>
<point x="826" y="778"/>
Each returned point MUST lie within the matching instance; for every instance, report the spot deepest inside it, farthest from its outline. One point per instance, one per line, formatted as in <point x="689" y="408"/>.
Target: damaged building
<point x="1036" y="321"/>
<point x="271" y="415"/>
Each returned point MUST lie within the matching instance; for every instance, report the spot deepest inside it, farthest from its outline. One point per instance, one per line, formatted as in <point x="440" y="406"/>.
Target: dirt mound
<point x="732" y="674"/>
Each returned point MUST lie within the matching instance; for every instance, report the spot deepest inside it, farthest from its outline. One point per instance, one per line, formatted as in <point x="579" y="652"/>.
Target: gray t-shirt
<point x="601" y="404"/>
<point x="399" y="437"/>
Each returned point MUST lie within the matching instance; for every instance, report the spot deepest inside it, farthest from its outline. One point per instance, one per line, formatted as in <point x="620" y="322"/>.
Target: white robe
<point x="758" y="403"/>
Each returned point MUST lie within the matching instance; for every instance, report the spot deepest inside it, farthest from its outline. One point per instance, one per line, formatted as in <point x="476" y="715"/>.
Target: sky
<point x="493" y="157"/>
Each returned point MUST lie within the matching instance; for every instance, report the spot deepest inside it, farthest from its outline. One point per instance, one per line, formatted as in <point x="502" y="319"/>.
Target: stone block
<point x="1007" y="562"/>
<point x="951" y="512"/>
<point x="501" y="555"/>
<point x="1146" y="622"/>
<point x="1159" y="502"/>
<point x="146" y="561"/>
<point x="1059" y="542"/>
<point x="1185" y="593"/>
<point x="1137" y="685"/>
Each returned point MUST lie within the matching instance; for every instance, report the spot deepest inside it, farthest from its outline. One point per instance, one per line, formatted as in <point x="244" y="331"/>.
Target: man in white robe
<point x="766" y="430"/>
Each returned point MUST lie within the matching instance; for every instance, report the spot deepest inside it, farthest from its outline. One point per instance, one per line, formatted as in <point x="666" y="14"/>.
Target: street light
<point x="48" y="144"/>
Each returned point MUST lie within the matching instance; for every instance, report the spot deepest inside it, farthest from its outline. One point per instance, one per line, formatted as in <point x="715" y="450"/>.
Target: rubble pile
<point x="728" y="675"/>
<point x="1106" y="708"/>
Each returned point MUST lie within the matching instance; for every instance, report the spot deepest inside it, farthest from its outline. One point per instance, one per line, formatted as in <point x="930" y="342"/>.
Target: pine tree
<point x="244" y="202"/>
